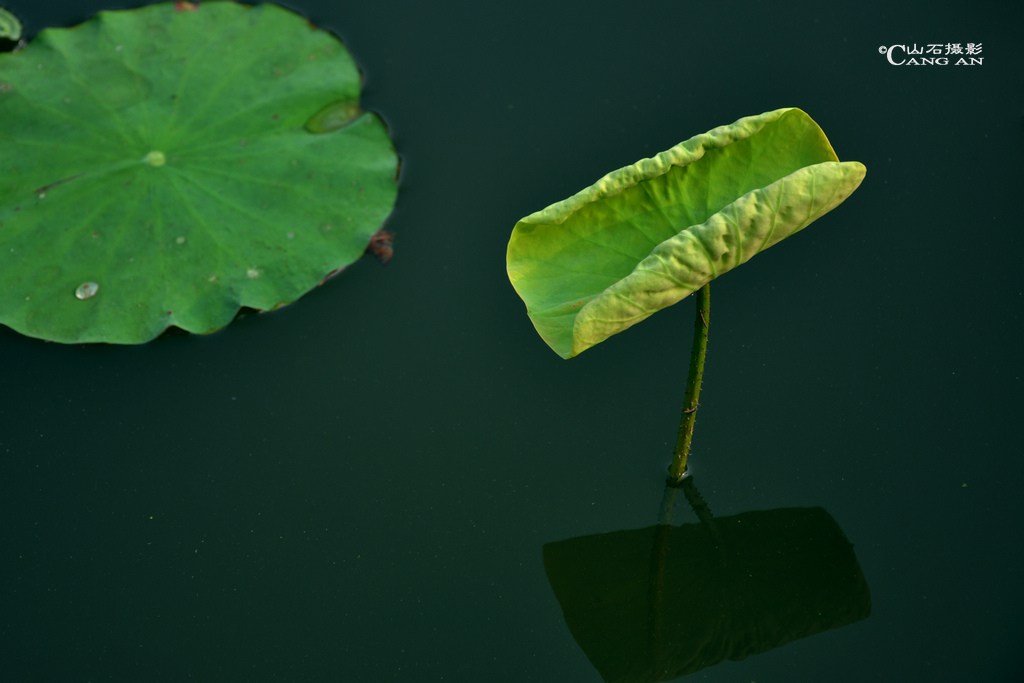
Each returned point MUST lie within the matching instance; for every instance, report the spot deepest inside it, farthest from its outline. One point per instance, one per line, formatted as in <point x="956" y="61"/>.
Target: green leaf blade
<point x="164" y="156"/>
<point x="646" y="236"/>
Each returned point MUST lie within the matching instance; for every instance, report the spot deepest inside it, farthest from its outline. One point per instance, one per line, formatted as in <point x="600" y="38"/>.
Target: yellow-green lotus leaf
<point x="648" y="235"/>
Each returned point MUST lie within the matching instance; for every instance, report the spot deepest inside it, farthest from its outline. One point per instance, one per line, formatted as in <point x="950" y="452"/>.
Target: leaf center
<point x="155" y="158"/>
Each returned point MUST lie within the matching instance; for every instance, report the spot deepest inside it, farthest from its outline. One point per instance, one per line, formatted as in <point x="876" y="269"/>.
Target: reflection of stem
<point x="656" y="595"/>
<point x="700" y="346"/>
<point x="659" y="557"/>
<point x="659" y="553"/>
<point x="696" y="501"/>
<point x="656" y="588"/>
<point x="668" y="504"/>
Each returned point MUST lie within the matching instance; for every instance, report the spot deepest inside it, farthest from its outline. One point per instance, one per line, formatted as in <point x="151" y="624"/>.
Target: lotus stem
<point x="677" y="470"/>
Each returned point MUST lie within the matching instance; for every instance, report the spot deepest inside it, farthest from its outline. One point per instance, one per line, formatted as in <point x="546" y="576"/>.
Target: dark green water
<point x="360" y="486"/>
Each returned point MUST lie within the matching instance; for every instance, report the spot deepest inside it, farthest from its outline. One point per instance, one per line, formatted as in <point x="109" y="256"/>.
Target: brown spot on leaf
<point x="181" y="6"/>
<point x="382" y="246"/>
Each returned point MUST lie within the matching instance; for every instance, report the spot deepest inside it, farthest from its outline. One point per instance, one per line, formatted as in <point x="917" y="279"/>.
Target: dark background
<point x="358" y="486"/>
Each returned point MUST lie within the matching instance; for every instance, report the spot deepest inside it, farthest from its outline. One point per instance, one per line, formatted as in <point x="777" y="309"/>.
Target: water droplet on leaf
<point x="86" y="290"/>
<point x="334" y="116"/>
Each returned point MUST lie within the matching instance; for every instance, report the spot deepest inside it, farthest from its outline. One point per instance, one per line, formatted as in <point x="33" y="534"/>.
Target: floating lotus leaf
<point x="646" y="236"/>
<point x="157" y="169"/>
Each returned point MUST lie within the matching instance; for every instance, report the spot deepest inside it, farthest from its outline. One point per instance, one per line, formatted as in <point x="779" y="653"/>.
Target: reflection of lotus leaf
<point x="644" y="237"/>
<point x="658" y="603"/>
<point x="163" y="154"/>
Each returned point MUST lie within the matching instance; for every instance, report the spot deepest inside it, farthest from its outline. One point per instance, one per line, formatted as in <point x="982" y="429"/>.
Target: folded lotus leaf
<point x="159" y="167"/>
<point x="10" y="27"/>
<point x="648" y="235"/>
